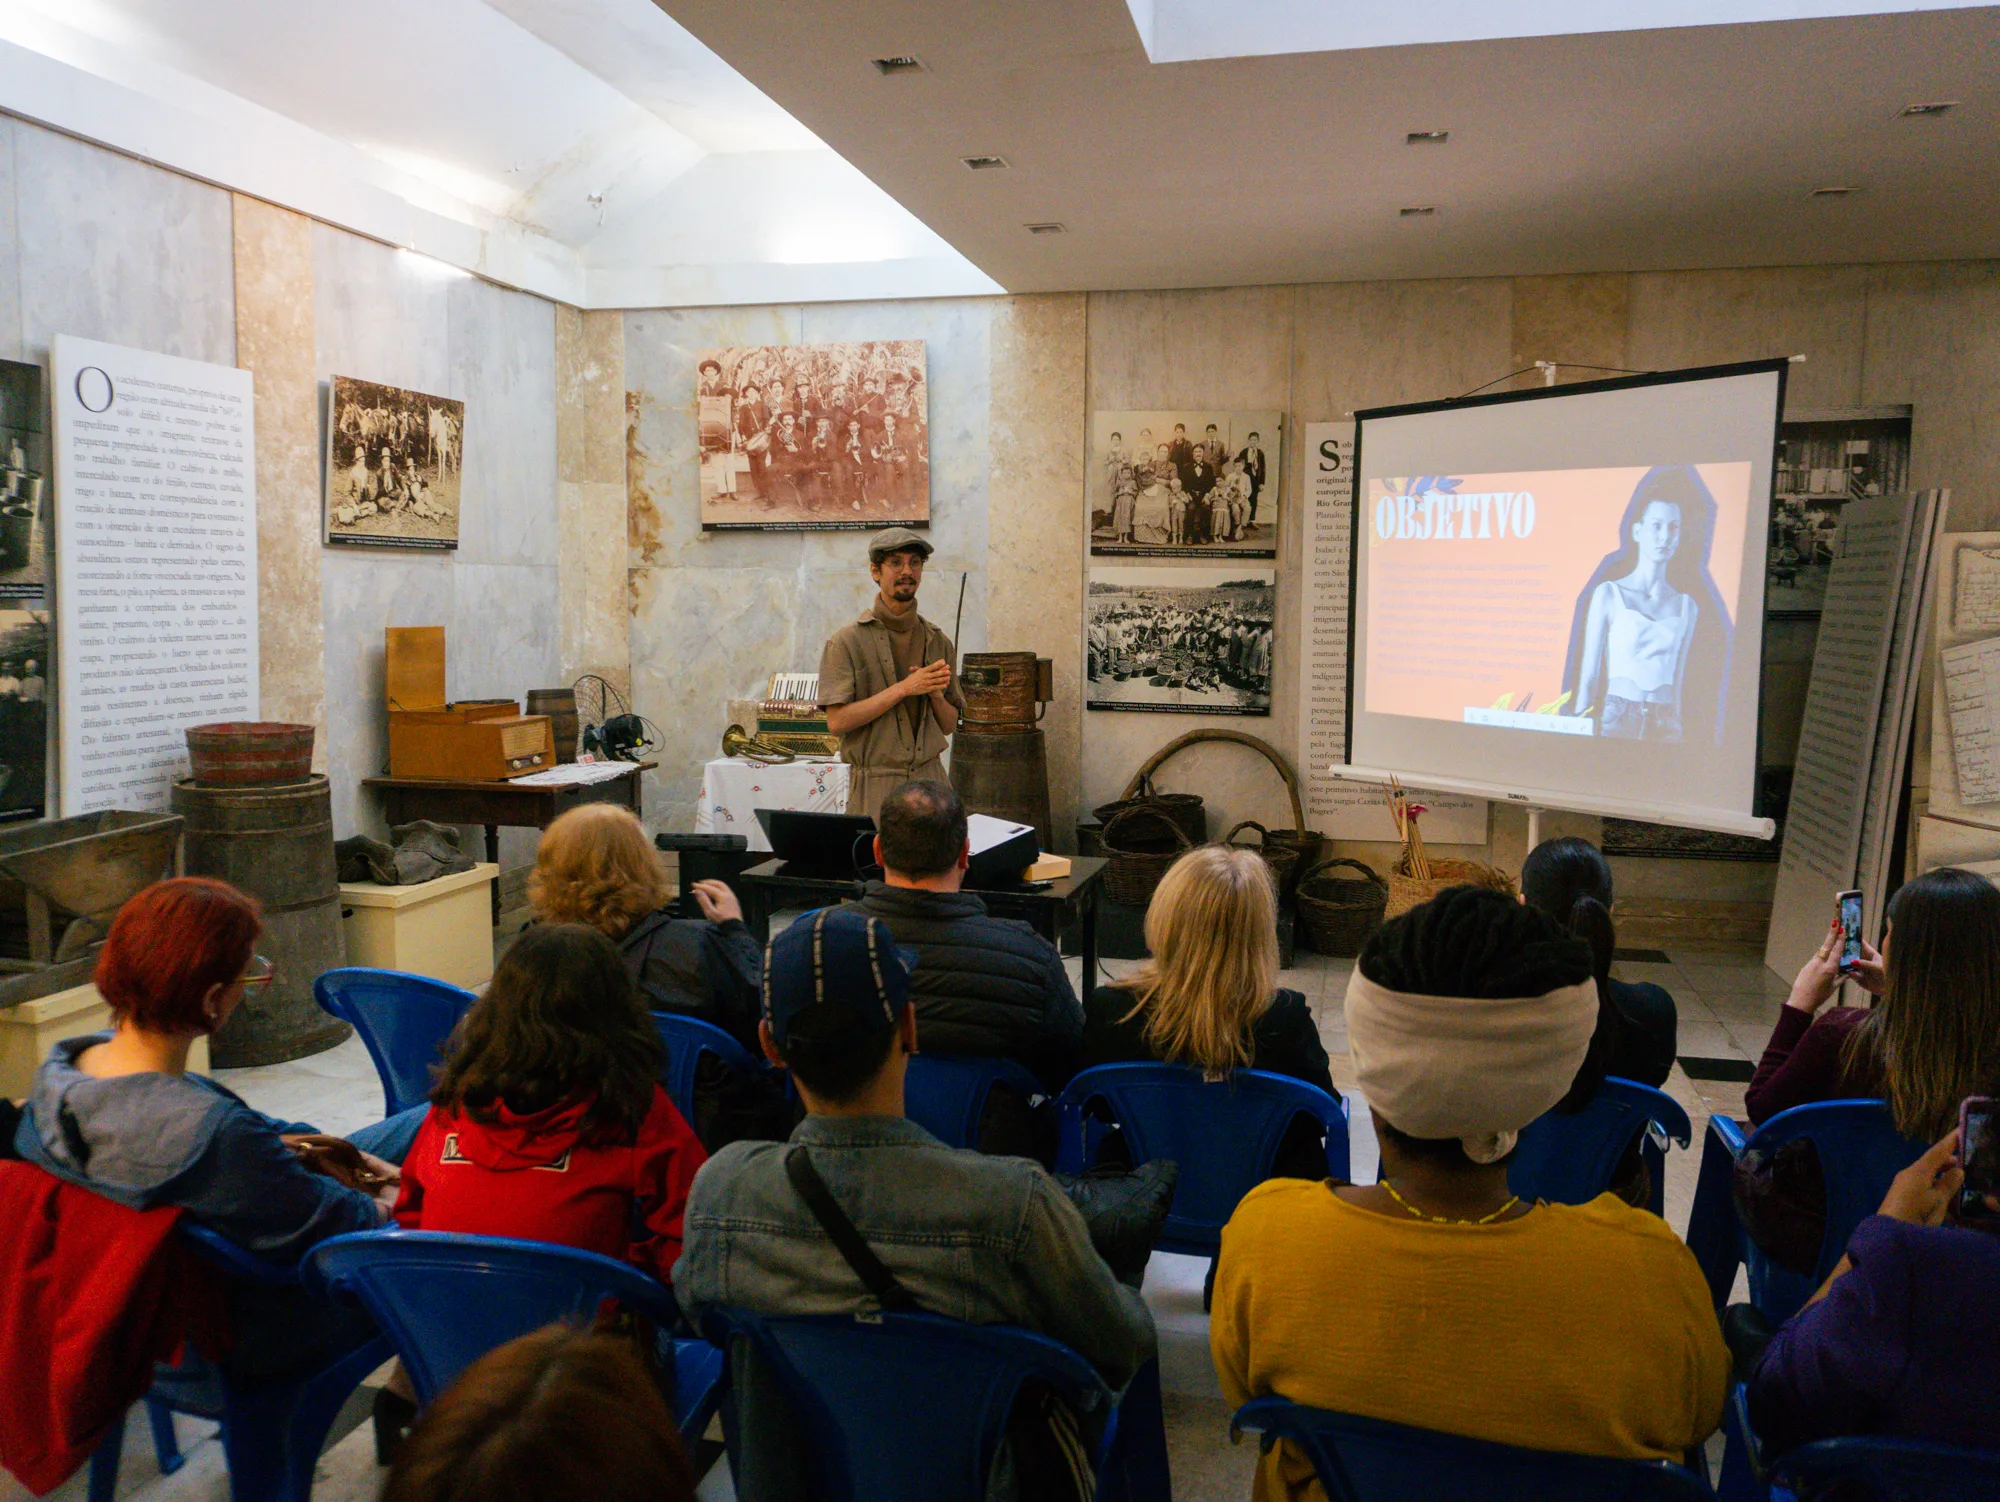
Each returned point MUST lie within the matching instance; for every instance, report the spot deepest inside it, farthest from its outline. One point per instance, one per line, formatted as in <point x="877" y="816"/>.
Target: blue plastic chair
<point x="1569" y="1160"/>
<point x="272" y="1431"/>
<point x="404" y="1021"/>
<point x="1369" y="1460"/>
<point x="1881" y="1469"/>
<point x="1860" y="1151"/>
<point x="946" y="1096"/>
<point x="444" y="1300"/>
<point x="686" y="1039"/>
<point x="1224" y="1134"/>
<point x="912" y="1407"/>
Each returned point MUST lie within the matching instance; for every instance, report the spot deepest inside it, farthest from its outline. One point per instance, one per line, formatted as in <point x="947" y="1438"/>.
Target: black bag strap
<point x="848" y="1241"/>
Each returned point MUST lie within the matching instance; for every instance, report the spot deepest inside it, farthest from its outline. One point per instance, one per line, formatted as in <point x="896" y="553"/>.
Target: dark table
<point x="495" y="803"/>
<point x="1045" y="906"/>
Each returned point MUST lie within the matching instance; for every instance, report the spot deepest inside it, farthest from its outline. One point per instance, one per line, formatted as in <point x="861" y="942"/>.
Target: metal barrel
<point x="1004" y="773"/>
<point x="1001" y="691"/>
<point x="276" y="843"/>
<point x="559" y="704"/>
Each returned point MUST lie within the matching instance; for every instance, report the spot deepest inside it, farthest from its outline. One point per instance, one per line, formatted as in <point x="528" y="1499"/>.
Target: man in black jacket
<point x="984" y="986"/>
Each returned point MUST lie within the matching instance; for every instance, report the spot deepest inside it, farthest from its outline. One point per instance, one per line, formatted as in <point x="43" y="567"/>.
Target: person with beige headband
<point x="1436" y="1298"/>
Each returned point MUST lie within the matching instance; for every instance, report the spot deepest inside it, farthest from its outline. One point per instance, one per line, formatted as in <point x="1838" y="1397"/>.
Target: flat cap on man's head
<point x="895" y="540"/>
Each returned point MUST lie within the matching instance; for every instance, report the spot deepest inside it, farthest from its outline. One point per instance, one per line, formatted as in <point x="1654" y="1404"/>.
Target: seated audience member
<point x="1933" y="1036"/>
<point x="595" y="866"/>
<point x="1207" y="996"/>
<point x="548" y="1122"/>
<point x="1569" y="881"/>
<point x="119" y="1114"/>
<point x="1899" y="1341"/>
<point x="560" y="1413"/>
<point x="985" y="1239"/>
<point x="1579" y="1328"/>
<point x="984" y="986"/>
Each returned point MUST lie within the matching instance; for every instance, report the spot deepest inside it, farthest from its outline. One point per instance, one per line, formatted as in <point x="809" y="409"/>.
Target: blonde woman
<point x="596" y="866"/>
<point x="1208" y="997"/>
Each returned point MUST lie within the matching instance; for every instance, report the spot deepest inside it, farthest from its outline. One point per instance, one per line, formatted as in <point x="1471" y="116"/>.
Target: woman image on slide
<point x="1651" y="640"/>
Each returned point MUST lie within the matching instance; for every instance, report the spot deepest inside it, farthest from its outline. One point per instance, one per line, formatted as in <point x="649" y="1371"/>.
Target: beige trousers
<point x="868" y="786"/>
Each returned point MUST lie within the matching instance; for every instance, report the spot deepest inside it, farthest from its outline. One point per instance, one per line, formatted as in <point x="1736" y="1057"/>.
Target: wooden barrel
<point x="276" y="843"/>
<point x="1005" y="774"/>
<point x="559" y="704"/>
<point x="248" y="753"/>
<point x="1000" y="691"/>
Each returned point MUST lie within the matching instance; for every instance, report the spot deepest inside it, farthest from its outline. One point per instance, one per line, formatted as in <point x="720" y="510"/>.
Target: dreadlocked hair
<point x="1474" y="942"/>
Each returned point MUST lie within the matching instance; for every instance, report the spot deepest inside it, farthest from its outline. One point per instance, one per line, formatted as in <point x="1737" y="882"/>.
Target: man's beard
<point x="903" y="592"/>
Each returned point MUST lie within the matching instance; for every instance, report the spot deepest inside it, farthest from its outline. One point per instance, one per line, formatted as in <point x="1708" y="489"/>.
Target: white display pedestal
<point x="30" y="1030"/>
<point x="442" y="928"/>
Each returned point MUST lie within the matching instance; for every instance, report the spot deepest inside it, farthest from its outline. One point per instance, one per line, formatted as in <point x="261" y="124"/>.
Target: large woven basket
<point x="1282" y="859"/>
<point x="1338" y="913"/>
<point x="1406" y="892"/>
<point x="1140" y="845"/>
<point x="1185" y="809"/>
<point x="1140" y="788"/>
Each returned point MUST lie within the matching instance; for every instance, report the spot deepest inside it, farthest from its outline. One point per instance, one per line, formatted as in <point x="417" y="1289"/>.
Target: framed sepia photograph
<point x="24" y="713"/>
<point x="1180" y="640"/>
<point x="814" y="437"/>
<point x="393" y="466"/>
<point x="24" y="487"/>
<point x="1184" y="484"/>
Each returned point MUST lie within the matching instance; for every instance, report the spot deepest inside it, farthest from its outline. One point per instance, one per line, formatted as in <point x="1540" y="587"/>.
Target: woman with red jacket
<point x="548" y="1122"/>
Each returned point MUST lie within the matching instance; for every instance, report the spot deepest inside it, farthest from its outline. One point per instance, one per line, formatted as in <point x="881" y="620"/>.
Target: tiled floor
<point x="1727" y="1002"/>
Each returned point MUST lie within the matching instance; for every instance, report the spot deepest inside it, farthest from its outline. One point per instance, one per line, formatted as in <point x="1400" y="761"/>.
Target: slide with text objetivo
<point x="1571" y="601"/>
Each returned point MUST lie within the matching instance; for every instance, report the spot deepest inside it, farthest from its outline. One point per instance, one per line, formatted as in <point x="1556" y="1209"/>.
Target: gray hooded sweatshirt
<point x="162" y="1139"/>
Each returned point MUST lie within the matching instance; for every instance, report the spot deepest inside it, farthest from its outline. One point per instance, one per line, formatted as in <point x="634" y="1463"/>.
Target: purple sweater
<point x="1904" y="1345"/>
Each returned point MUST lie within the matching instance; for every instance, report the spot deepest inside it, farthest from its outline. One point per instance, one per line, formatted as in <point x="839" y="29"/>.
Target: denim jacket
<point x="982" y="1239"/>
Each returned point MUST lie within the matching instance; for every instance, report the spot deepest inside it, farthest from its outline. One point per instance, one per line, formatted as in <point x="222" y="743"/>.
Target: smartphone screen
<point x="1979" y="1153"/>
<point x="1850" y="927"/>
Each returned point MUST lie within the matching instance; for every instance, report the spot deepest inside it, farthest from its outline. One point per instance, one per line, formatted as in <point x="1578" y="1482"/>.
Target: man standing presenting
<point x="886" y="680"/>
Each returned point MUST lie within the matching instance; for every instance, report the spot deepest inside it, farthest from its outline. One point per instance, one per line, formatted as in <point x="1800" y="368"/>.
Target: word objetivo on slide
<point x="1424" y="513"/>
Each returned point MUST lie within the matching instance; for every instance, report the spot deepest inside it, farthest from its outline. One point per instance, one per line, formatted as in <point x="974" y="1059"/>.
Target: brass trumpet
<point x="736" y="741"/>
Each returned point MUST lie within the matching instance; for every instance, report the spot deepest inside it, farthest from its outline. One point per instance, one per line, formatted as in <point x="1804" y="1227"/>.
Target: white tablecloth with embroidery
<point x="732" y="789"/>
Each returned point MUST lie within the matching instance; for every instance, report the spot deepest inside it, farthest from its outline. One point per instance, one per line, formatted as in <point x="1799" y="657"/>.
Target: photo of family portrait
<point x="810" y="437"/>
<point x="1184" y="484"/>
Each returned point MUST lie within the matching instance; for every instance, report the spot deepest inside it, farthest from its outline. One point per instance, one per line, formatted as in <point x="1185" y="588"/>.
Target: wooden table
<point x="1045" y="906"/>
<point x="496" y="803"/>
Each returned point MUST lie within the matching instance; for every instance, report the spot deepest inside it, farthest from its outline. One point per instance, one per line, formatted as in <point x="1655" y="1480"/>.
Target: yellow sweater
<point x="1585" y="1328"/>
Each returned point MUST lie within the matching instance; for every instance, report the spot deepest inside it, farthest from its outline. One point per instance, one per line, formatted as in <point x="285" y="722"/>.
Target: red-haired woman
<point x="118" y="1113"/>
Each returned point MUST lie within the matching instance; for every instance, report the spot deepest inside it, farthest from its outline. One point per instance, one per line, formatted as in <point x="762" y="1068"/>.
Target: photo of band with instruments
<point x="809" y="437"/>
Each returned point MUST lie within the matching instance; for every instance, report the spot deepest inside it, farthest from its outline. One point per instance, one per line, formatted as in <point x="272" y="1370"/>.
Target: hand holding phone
<point x="1848" y="907"/>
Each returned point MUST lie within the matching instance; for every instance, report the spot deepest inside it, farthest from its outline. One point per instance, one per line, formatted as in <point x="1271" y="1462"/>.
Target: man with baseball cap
<point x="886" y="680"/>
<point x="988" y="1240"/>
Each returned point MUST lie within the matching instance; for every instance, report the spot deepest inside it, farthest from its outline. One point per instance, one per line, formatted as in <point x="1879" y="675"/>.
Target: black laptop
<point x="820" y="844"/>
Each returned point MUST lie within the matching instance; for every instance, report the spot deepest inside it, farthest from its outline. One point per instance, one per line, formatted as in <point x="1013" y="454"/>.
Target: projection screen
<point x="1558" y="595"/>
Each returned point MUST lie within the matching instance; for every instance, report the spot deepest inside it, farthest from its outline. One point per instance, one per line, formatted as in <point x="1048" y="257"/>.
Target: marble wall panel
<point x="714" y="614"/>
<point x="115" y="249"/>
<point x="1933" y="341"/>
<point x="1578" y="321"/>
<point x="503" y="363"/>
<point x="590" y="395"/>
<point x="1679" y="319"/>
<point x="274" y="341"/>
<point x="11" y="347"/>
<point x="1039" y="354"/>
<point x="380" y="314"/>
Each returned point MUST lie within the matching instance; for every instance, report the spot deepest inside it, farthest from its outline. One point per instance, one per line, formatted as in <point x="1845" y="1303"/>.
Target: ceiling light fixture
<point x="984" y="163"/>
<point x="1417" y="211"/>
<point x="1047" y="227"/>
<point x="1934" y="107"/>
<point x="903" y="63"/>
<point x="1838" y="191"/>
<point x="1427" y="138"/>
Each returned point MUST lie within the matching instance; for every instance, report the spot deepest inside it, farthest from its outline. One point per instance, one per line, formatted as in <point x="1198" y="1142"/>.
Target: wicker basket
<point x="1140" y="790"/>
<point x="1406" y="892"/>
<point x="1282" y="859"/>
<point x="1338" y="913"/>
<point x="1140" y="844"/>
<point x="1309" y="843"/>
<point x="1185" y="809"/>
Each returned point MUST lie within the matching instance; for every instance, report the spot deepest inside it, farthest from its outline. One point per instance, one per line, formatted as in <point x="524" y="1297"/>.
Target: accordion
<point x="789" y="716"/>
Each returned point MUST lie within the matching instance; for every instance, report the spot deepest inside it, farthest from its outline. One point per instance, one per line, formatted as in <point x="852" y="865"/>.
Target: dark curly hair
<point x="1474" y="942"/>
<point x="560" y="1021"/>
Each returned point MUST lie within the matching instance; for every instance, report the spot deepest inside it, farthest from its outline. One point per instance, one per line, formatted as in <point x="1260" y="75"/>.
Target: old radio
<point x="472" y="740"/>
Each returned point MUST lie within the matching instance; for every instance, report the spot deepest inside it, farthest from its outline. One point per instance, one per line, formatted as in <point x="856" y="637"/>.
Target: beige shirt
<point x="858" y="663"/>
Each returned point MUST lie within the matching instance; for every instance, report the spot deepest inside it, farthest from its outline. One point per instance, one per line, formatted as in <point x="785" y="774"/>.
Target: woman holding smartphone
<point x="1932" y="1037"/>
